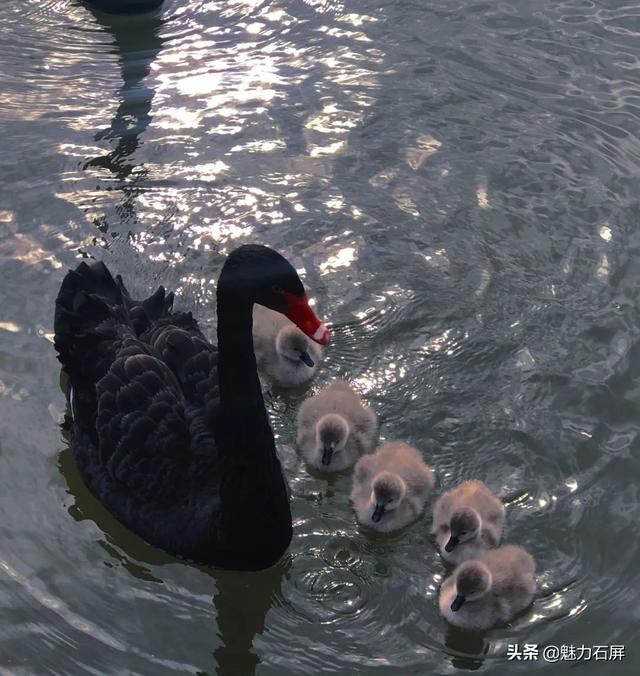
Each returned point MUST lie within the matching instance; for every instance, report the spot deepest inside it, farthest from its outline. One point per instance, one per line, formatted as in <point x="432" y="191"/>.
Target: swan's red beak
<point x="301" y="314"/>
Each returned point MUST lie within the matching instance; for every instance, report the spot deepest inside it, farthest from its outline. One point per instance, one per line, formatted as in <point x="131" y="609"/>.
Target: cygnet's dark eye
<point x="463" y="532"/>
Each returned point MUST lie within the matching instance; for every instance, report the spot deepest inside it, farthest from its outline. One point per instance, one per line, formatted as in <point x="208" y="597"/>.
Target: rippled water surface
<point x="457" y="182"/>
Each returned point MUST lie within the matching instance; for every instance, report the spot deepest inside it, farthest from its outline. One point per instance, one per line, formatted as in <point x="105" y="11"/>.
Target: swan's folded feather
<point x="143" y="432"/>
<point x="145" y="387"/>
<point x="192" y="360"/>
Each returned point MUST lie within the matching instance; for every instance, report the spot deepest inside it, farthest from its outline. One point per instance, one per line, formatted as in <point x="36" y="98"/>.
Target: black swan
<point x="170" y="433"/>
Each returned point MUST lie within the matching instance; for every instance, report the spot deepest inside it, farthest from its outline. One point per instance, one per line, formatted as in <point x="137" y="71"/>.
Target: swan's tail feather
<point x="92" y="311"/>
<point x="144" y="314"/>
<point x="158" y="304"/>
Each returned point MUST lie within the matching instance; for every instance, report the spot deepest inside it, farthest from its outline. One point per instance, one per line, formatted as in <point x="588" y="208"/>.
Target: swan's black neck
<point x="255" y="515"/>
<point x="240" y="391"/>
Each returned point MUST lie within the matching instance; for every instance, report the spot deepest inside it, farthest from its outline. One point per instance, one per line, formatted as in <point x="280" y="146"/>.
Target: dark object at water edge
<point x="125" y="6"/>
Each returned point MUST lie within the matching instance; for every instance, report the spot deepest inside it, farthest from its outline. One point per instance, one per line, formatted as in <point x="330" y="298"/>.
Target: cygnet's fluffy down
<point x="467" y="520"/>
<point x="490" y="590"/>
<point x="390" y="487"/>
<point x="334" y="428"/>
<point x="282" y="351"/>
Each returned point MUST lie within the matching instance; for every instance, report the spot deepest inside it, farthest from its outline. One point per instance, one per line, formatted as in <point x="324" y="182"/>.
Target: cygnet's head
<point x="387" y="493"/>
<point x="465" y="524"/>
<point x="293" y="345"/>
<point x="332" y="432"/>
<point x="473" y="581"/>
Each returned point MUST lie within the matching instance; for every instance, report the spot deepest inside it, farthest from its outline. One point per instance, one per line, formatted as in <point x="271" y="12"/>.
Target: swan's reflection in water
<point x="241" y="602"/>
<point x="137" y="42"/>
<point x="466" y="648"/>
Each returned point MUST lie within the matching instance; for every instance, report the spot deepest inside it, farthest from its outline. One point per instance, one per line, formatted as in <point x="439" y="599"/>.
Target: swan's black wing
<point x="193" y="361"/>
<point x="143" y="435"/>
<point x="96" y="317"/>
<point x="155" y="467"/>
<point x="144" y="397"/>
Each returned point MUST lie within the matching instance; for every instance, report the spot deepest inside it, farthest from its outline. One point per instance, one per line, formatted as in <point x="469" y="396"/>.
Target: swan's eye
<point x="277" y="289"/>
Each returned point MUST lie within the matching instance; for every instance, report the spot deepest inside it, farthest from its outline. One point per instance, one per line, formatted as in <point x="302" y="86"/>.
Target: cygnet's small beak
<point x="377" y="513"/>
<point x="304" y="356"/>
<point x="457" y="603"/>
<point x="327" y="454"/>
<point x="453" y="541"/>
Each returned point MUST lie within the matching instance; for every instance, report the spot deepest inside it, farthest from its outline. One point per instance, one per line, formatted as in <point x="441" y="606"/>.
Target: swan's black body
<point x="170" y="433"/>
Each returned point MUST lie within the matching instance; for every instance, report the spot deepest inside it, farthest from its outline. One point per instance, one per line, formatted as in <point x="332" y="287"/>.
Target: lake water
<point x="457" y="182"/>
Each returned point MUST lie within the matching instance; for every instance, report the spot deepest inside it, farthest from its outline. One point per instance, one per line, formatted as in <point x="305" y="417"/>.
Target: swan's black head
<point x="257" y="274"/>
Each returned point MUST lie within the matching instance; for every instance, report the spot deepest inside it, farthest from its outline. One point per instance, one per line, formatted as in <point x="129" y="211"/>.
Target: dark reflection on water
<point x="242" y="603"/>
<point x="137" y="42"/>
<point x="465" y="648"/>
